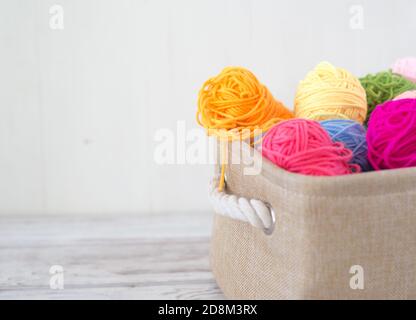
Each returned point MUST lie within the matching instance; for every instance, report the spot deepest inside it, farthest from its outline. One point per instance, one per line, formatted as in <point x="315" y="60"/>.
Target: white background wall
<point x="79" y="107"/>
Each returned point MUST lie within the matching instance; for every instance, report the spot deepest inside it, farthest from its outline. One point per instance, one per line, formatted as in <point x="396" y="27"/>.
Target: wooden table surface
<point x="107" y="257"/>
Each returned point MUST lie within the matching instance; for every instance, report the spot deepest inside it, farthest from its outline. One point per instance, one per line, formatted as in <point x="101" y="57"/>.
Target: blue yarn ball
<point x="353" y="135"/>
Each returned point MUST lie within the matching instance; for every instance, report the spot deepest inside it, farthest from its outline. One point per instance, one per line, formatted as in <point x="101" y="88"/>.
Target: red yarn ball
<point x="303" y="146"/>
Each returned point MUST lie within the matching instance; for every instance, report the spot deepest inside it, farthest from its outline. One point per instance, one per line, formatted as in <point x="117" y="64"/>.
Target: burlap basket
<point x="323" y="227"/>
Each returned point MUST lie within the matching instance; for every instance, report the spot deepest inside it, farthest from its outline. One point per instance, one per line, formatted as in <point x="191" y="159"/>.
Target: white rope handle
<point x="253" y="211"/>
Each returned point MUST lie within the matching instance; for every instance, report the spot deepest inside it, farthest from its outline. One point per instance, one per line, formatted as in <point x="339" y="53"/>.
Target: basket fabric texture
<point x="324" y="226"/>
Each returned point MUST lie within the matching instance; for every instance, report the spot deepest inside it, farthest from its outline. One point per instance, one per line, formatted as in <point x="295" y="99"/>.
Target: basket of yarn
<point x="312" y="212"/>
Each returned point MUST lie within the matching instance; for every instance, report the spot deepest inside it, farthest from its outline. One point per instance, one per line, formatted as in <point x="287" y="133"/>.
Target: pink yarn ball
<point x="391" y="135"/>
<point x="303" y="146"/>
<point x="406" y="67"/>
<point x="406" y="95"/>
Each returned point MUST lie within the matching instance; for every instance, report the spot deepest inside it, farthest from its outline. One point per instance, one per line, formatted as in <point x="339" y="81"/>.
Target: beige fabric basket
<point x="324" y="226"/>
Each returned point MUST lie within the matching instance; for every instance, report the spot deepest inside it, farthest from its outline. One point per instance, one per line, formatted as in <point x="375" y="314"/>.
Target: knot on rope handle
<point x="254" y="211"/>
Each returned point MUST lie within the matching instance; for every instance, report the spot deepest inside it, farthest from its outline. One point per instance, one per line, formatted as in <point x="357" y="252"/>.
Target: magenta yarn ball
<point x="391" y="135"/>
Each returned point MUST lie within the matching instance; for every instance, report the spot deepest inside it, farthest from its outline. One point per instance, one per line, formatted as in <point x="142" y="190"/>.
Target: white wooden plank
<point x="203" y="291"/>
<point x="107" y="257"/>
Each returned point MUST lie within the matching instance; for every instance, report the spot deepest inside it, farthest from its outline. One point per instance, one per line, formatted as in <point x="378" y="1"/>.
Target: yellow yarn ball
<point x="329" y="92"/>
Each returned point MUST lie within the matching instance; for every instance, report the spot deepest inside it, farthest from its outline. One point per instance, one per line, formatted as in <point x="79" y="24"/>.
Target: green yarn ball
<point x="384" y="86"/>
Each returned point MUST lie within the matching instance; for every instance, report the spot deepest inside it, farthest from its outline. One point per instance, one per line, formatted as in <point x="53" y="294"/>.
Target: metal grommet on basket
<point x="269" y="231"/>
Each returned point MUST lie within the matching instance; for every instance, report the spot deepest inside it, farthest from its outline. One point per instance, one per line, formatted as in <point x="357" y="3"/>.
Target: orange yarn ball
<point x="235" y="100"/>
